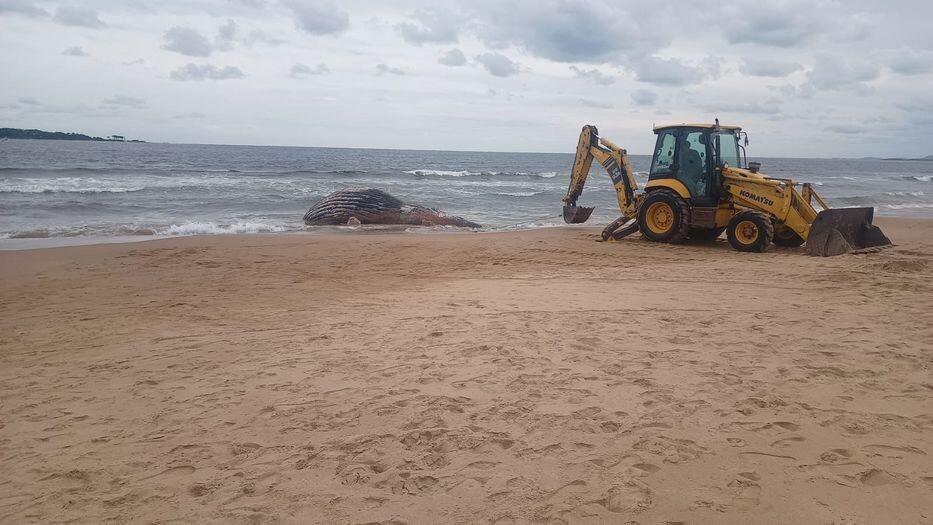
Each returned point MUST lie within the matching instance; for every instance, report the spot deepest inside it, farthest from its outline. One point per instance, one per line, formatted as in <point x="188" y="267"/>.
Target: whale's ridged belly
<point x="371" y="206"/>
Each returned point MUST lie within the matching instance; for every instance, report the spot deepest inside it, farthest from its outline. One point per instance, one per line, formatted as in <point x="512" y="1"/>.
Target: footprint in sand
<point x="628" y="497"/>
<point x="787" y="442"/>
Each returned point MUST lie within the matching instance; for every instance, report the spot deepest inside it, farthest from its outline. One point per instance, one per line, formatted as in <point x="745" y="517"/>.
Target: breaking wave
<point x="213" y="228"/>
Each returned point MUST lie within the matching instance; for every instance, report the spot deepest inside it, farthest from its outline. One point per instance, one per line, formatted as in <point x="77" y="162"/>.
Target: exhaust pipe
<point x="841" y="230"/>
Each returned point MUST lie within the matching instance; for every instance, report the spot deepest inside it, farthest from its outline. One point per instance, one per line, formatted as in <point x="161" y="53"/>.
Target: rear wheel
<point x="750" y="231"/>
<point x="705" y="234"/>
<point x="784" y="236"/>
<point x="664" y="217"/>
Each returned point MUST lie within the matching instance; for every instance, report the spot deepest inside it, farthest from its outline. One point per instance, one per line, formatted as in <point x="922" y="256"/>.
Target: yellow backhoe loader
<point x="700" y="185"/>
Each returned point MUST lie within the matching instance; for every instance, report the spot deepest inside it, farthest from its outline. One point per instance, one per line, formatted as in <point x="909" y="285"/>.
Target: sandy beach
<point x="503" y="377"/>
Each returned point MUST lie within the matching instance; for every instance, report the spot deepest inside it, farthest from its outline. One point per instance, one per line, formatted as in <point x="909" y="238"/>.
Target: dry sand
<point x="530" y="376"/>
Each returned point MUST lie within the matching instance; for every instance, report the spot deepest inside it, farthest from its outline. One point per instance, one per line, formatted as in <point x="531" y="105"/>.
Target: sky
<point x="807" y="78"/>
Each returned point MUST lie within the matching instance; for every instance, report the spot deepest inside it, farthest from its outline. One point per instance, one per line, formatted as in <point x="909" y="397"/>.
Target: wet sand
<point x="509" y="377"/>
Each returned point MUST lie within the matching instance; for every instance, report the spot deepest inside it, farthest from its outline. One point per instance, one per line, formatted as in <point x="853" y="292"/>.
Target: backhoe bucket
<point x="577" y="214"/>
<point x="841" y="230"/>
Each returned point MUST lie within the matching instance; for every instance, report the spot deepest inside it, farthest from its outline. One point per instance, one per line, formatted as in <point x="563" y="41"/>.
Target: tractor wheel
<point x="750" y="231"/>
<point x="664" y="217"/>
<point x="705" y="234"/>
<point x="784" y="236"/>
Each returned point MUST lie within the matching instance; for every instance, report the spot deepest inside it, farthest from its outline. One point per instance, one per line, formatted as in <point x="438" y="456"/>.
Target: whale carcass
<point x="372" y="206"/>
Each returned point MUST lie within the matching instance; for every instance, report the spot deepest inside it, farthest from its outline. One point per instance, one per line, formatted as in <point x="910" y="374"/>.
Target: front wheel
<point x="663" y="217"/>
<point x="750" y="231"/>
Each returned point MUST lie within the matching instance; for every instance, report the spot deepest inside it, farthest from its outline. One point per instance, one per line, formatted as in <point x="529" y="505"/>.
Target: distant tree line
<point x="38" y="134"/>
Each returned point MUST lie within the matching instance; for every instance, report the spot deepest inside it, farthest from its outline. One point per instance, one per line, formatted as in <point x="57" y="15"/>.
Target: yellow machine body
<point x="754" y="209"/>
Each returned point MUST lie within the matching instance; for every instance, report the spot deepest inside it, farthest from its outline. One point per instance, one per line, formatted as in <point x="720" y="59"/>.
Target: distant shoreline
<point x="38" y="134"/>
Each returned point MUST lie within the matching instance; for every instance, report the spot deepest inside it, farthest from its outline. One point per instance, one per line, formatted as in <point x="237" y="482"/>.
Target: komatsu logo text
<point x="757" y="198"/>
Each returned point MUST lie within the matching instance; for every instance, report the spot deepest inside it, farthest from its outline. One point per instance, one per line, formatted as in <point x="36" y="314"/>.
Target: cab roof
<point x="704" y="126"/>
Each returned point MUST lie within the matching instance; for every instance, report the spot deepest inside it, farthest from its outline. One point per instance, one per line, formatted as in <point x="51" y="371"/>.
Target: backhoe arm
<point x="615" y="159"/>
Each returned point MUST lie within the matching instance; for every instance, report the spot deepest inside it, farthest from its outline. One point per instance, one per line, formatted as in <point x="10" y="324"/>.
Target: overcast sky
<point x="804" y="78"/>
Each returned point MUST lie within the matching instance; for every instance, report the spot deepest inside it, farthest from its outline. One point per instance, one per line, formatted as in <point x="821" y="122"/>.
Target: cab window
<point x="692" y="165"/>
<point x="663" y="157"/>
<point x="727" y="148"/>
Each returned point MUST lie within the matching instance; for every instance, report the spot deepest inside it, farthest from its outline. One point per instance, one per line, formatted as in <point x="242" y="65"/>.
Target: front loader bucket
<point x="577" y="214"/>
<point x="840" y="230"/>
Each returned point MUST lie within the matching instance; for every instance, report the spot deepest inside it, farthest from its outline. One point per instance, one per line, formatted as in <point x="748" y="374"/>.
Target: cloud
<point x="193" y="115"/>
<point x="767" y="107"/>
<point x="452" y="58"/>
<point x="785" y="25"/>
<point x="28" y="101"/>
<point x="22" y="7"/>
<point x="668" y="72"/>
<point x="383" y="69"/>
<point x="497" y="64"/>
<point x="123" y="100"/>
<point x="78" y="16"/>
<point x="593" y="75"/>
<point x="595" y="104"/>
<point x="845" y="129"/>
<point x="432" y="27"/>
<point x="75" y="51"/>
<point x="763" y="67"/>
<point x="837" y="73"/>
<point x="226" y="36"/>
<point x="134" y="62"/>
<point x="910" y="62"/>
<point x="643" y="97"/>
<point x="300" y="71"/>
<point x="258" y="36"/>
<point x="200" y="72"/>
<point x="187" y="41"/>
<point x="318" y="17"/>
<point x="566" y="30"/>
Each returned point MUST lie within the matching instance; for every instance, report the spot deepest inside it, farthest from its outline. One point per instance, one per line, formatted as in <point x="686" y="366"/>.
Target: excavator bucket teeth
<point x="841" y="230"/>
<point x="577" y="214"/>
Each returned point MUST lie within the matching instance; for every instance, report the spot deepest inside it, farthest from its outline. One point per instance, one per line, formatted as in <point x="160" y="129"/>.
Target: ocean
<point x="93" y="190"/>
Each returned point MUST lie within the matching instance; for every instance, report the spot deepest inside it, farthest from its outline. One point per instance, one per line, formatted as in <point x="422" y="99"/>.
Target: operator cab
<point x="694" y="154"/>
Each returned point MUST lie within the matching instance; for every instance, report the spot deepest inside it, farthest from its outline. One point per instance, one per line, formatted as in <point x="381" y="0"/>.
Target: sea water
<point x="56" y="189"/>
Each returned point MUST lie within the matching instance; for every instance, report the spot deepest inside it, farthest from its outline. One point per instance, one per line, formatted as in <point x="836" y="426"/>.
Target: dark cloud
<point x="763" y="67"/>
<point x="497" y="64"/>
<point x="226" y="36"/>
<point x="453" y="58"/>
<point x="134" y="62"/>
<point x="431" y="27"/>
<point x="643" y="97"/>
<point x="187" y="41"/>
<point x="318" y="17"/>
<point x="593" y="75"/>
<point x="573" y="31"/>
<point x="22" y="7"/>
<point x="384" y="69"/>
<point x="28" y="101"/>
<point x="200" y="72"/>
<point x="300" y="71"/>
<point x="910" y="62"/>
<point x="75" y="51"/>
<point x="123" y="100"/>
<point x="78" y="16"/>
<point x="778" y="25"/>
